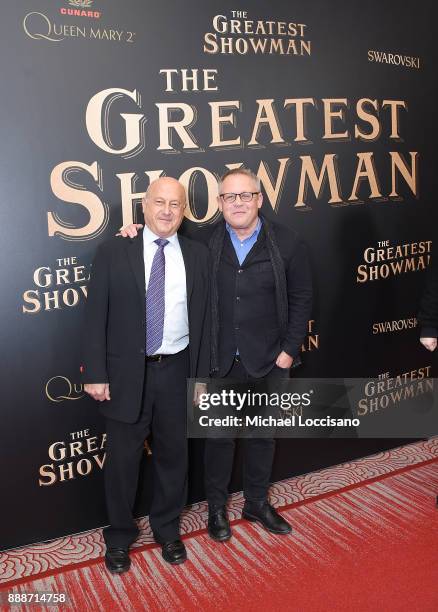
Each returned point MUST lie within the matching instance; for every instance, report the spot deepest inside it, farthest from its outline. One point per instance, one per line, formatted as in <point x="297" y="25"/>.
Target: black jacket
<point x="115" y="322"/>
<point x="262" y="306"/>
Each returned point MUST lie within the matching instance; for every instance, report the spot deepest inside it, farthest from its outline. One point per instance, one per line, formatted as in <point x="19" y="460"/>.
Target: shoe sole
<point x="220" y="539"/>
<point x="255" y="519"/>
<point x="176" y="562"/>
<point x="117" y="571"/>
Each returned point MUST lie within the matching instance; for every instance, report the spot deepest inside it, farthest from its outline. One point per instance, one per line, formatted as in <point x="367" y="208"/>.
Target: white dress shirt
<point x="176" y="320"/>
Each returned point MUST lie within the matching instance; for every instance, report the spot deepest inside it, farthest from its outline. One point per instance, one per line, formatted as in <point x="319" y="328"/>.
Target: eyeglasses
<point x="245" y="196"/>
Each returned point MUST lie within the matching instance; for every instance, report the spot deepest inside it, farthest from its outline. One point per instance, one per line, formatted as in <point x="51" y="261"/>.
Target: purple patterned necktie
<point x="155" y="300"/>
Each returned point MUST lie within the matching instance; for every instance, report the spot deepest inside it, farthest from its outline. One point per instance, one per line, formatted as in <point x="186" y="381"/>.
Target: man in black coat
<point x="136" y="359"/>
<point x="261" y="303"/>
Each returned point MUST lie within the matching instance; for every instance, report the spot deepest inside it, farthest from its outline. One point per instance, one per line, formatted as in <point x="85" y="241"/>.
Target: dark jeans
<point x="163" y="414"/>
<point x="257" y="459"/>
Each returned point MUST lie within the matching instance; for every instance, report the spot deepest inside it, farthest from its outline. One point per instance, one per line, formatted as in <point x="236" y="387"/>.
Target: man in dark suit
<point x="147" y="298"/>
<point x="261" y="303"/>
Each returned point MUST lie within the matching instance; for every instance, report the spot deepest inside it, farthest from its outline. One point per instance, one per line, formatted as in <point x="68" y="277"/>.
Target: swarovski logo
<point x="396" y="59"/>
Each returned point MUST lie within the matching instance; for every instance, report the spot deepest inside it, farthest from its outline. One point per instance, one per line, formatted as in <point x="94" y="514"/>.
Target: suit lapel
<point x="134" y="251"/>
<point x="189" y="264"/>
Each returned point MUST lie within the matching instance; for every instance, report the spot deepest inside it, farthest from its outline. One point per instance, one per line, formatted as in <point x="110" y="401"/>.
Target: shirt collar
<point x="255" y="233"/>
<point x="149" y="237"/>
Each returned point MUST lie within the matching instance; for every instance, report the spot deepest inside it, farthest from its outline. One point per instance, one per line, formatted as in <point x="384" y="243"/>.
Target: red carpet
<point x="373" y="547"/>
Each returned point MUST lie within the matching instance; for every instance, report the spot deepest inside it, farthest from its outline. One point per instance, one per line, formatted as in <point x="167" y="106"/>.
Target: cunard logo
<point x="80" y="9"/>
<point x="81" y="3"/>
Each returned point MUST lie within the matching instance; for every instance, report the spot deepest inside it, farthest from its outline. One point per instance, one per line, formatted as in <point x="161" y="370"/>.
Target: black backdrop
<point x="61" y="194"/>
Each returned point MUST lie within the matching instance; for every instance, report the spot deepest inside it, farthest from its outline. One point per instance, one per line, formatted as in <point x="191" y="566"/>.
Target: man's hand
<point x="284" y="360"/>
<point x="130" y="231"/>
<point x="98" y="391"/>
<point x="200" y="388"/>
<point x="429" y="343"/>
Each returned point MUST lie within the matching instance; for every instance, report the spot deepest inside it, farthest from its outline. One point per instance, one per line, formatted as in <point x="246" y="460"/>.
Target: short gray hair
<point x="242" y="170"/>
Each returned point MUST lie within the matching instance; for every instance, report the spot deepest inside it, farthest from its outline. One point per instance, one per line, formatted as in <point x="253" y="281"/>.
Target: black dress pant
<point x="258" y="454"/>
<point x="164" y="414"/>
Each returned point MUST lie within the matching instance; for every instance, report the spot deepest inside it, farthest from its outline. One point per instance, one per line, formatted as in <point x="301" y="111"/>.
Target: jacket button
<point x="240" y="270"/>
<point x="237" y="328"/>
<point x="238" y="298"/>
<point x="142" y="351"/>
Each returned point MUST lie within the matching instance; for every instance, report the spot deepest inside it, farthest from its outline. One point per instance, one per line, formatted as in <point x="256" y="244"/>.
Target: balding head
<point x="163" y="206"/>
<point x="166" y="183"/>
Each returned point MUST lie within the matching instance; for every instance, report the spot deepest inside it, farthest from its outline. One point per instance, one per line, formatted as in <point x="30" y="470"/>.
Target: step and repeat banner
<point x="331" y="104"/>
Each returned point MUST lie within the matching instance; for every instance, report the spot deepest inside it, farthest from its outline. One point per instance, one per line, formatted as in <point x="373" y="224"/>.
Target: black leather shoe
<point x="117" y="560"/>
<point x="174" y="552"/>
<point x="266" y="515"/>
<point x="218" y="524"/>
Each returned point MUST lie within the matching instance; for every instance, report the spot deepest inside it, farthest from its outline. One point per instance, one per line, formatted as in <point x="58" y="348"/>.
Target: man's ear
<point x="260" y="202"/>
